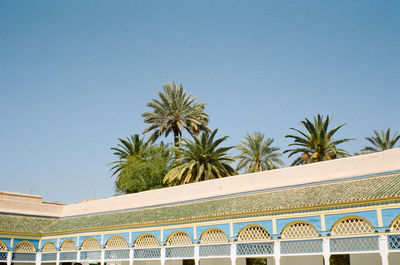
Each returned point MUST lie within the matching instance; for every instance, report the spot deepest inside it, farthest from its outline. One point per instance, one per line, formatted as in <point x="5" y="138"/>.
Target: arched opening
<point x="352" y="226"/>
<point x="299" y="229"/>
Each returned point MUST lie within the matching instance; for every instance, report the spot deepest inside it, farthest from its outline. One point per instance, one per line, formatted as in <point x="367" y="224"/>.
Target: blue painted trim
<point x="106" y="237"/>
<point x="62" y="239"/>
<point x="267" y="224"/>
<point x="382" y="228"/>
<point x="313" y="220"/>
<point x="370" y="216"/>
<point x="6" y="241"/>
<point x="388" y="215"/>
<point x="44" y="241"/>
<point x="224" y="227"/>
<point x="35" y="242"/>
<point x="83" y="238"/>
<point x="156" y="233"/>
<point x="187" y="230"/>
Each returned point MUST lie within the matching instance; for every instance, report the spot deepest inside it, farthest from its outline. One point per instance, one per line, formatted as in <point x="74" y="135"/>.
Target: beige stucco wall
<point x="365" y="259"/>
<point x="394" y="258"/>
<point x="317" y="172"/>
<point x="302" y="260"/>
<point x="28" y="204"/>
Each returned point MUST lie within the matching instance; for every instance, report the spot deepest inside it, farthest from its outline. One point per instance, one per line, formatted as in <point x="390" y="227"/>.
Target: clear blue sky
<point x="76" y="75"/>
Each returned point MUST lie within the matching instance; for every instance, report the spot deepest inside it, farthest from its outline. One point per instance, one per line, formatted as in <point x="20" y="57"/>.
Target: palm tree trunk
<point x="176" y="142"/>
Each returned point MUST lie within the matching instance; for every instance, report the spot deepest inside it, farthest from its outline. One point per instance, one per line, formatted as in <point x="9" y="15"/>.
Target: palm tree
<point x="133" y="146"/>
<point x="175" y="111"/>
<point x="317" y="144"/>
<point x="200" y="159"/>
<point x="381" y="141"/>
<point x="257" y="154"/>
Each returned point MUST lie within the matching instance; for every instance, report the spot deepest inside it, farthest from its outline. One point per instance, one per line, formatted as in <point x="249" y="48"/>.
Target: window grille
<point x="24" y="246"/>
<point x="90" y="244"/>
<point x="49" y="247"/>
<point x="301" y="246"/>
<point x="179" y="239"/>
<point x="215" y="250"/>
<point x="253" y="233"/>
<point x="394" y="242"/>
<point x="179" y="252"/>
<point x="354" y="244"/>
<point x="49" y="257"/>
<point x="68" y="255"/>
<point x="68" y="245"/>
<point x="254" y="249"/>
<point x="395" y="227"/>
<point x="352" y="226"/>
<point x="117" y="254"/>
<point x="299" y="230"/>
<point x="3" y="256"/>
<point x="146" y="240"/>
<point x="24" y="257"/>
<point x="3" y="246"/>
<point x="213" y="235"/>
<point x="90" y="255"/>
<point x="116" y="242"/>
<point x="147" y="253"/>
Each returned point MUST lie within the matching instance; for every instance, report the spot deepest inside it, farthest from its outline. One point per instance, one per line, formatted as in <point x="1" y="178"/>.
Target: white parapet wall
<point x="355" y="166"/>
<point x="360" y="165"/>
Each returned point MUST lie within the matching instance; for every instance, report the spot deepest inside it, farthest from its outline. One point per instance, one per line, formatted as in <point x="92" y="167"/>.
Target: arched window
<point x="146" y="240"/>
<point x="352" y="226"/>
<point x="24" y="246"/>
<point x="253" y="233"/>
<point x="213" y="235"/>
<point x="49" y="247"/>
<point x="90" y="244"/>
<point x="3" y="246"/>
<point x="68" y="245"/>
<point x="299" y="230"/>
<point x="116" y="242"/>
<point x="395" y="226"/>
<point x="178" y="239"/>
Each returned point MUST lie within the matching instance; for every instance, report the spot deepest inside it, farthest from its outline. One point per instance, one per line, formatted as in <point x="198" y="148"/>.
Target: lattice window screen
<point x="253" y="233"/>
<point x="3" y="246"/>
<point x="179" y="239"/>
<point x="395" y="225"/>
<point x="116" y="242"/>
<point x="146" y="240"/>
<point x="299" y="230"/>
<point x="24" y="246"/>
<point x="352" y="226"/>
<point x="90" y="244"/>
<point x="49" y="247"/>
<point x="214" y="235"/>
<point x="68" y="245"/>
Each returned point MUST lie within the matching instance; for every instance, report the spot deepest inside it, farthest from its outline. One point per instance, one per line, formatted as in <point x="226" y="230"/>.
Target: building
<point x="314" y="214"/>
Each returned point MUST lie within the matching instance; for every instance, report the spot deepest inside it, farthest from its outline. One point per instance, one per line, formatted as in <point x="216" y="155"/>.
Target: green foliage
<point x="133" y="146"/>
<point x="257" y="154"/>
<point x="176" y="110"/>
<point x="317" y="144"/>
<point x="144" y="172"/>
<point x="381" y="141"/>
<point x="341" y="259"/>
<point x="256" y="261"/>
<point x="199" y="160"/>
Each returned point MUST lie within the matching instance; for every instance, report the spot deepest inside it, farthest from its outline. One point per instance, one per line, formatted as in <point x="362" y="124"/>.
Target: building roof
<point x="325" y="195"/>
<point x="24" y="224"/>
